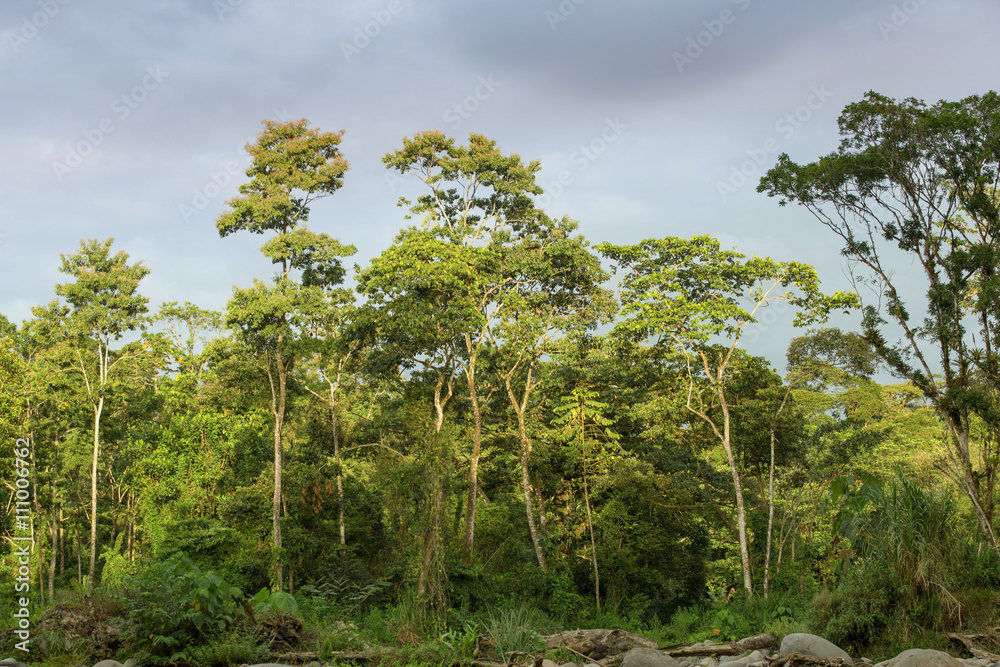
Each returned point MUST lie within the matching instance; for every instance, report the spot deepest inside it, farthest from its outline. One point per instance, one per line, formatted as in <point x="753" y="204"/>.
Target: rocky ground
<point x="615" y="648"/>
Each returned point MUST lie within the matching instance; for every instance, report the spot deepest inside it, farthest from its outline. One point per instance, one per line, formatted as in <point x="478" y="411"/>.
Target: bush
<point x="173" y="606"/>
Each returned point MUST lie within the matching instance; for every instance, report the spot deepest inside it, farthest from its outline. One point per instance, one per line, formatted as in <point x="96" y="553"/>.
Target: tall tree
<point x="103" y="305"/>
<point x="686" y="294"/>
<point x="422" y="297"/>
<point x="293" y="166"/>
<point x="554" y="292"/>
<point x="583" y="422"/>
<point x="479" y="200"/>
<point x="918" y="183"/>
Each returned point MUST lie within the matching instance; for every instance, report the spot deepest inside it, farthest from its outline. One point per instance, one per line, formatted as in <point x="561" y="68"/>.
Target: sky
<point x="650" y="119"/>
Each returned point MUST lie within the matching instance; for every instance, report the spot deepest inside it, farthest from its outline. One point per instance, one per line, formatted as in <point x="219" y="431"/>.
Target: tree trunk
<point x="526" y="486"/>
<point x="93" y="491"/>
<point x="279" y="417"/>
<point x="590" y="523"/>
<point x="525" y="447"/>
<point x="477" y="437"/>
<point x="741" y="519"/>
<point x="337" y="462"/>
<point x="56" y="529"/>
<point x="770" y="519"/>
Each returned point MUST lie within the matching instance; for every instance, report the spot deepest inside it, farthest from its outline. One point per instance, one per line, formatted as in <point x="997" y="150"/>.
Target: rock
<point x="731" y="663"/>
<point x="648" y="657"/>
<point x="109" y="663"/>
<point x="11" y="662"/>
<point x="549" y="663"/>
<point x="803" y="642"/>
<point x="269" y="664"/>
<point x="920" y="657"/>
<point x="708" y="661"/>
<point x="572" y="664"/>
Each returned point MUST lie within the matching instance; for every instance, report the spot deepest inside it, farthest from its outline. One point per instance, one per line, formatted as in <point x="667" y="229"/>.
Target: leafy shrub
<point x="265" y="601"/>
<point x="172" y="606"/>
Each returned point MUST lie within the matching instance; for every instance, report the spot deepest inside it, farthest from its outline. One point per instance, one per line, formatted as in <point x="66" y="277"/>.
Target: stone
<point x="109" y="663"/>
<point x="269" y="664"/>
<point x="647" y="657"/>
<point x="130" y="662"/>
<point x="920" y="657"/>
<point x="549" y="663"/>
<point x="11" y="662"/>
<point x="807" y="644"/>
<point x="731" y="663"/>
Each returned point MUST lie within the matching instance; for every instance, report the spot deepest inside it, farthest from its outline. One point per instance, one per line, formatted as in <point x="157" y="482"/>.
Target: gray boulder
<point x="807" y="644"/>
<point x="11" y="662"/>
<point x="648" y="657"/>
<point x="921" y="657"/>
<point x="549" y="663"/>
<point x="109" y="663"/>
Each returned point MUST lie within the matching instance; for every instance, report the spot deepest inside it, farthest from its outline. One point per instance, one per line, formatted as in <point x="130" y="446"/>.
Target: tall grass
<point x="913" y="570"/>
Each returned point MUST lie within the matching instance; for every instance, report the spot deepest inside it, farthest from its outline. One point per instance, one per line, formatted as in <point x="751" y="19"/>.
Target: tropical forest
<point x="497" y="430"/>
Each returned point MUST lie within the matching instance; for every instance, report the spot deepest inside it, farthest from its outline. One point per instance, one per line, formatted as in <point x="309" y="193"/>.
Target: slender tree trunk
<point x="526" y="487"/>
<point x="279" y="417"/>
<point x="477" y="438"/>
<point x="62" y="544"/>
<point x="770" y="519"/>
<point x="741" y="519"/>
<point x="337" y="462"/>
<point x="98" y="409"/>
<point x="79" y="555"/>
<point x="590" y="523"/>
<point x="56" y="547"/>
<point x="520" y="407"/>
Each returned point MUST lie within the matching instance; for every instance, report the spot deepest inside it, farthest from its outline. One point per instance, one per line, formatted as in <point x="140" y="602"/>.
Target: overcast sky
<point x="128" y="120"/>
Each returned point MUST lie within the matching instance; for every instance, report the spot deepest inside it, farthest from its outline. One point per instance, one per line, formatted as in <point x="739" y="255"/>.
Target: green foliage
<point x="337" y="599"/>
<point x="340" y="636"/>
<point x="911" y="562"/>
<point x="514" y="628"/>
<point x="173" y="605"/>
<point x="278" y="601"/>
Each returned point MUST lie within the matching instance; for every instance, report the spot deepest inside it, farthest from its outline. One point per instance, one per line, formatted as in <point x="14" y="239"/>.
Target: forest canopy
<point x="486" y="415"/>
